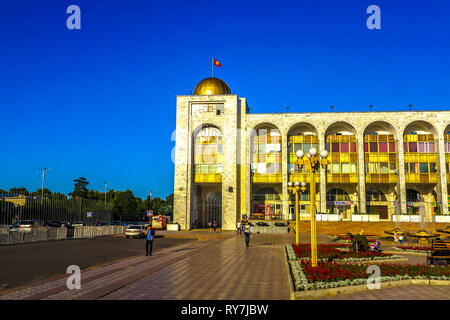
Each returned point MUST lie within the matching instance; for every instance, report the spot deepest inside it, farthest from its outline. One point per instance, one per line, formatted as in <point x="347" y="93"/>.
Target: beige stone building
<point x="232" y="164"/>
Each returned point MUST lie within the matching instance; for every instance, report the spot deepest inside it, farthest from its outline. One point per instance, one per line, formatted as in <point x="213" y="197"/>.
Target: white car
<point x="136" y="231"/>
<point x="27" y="226"/>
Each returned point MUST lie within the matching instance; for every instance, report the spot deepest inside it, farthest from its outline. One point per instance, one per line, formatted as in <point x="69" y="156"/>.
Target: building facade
<point x="230" y="163"/>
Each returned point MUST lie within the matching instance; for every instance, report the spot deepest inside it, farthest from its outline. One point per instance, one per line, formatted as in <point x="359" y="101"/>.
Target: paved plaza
<point x="217" y="266"/>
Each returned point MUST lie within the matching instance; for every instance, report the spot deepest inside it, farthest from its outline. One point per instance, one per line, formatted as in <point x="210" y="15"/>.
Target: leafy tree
<point x="20" y="190"/>
<point x="124" y="206"/>
<point x="80" y="190"/>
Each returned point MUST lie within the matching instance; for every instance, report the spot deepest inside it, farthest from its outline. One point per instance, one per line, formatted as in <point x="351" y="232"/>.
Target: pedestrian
<point x="395" y="237"/>
<point x="214" y="225"/>
<point x="247" y="233"/>
<point x="238" y="227"/>
<point x="209" y="225"/>
<point x="150" y="235"/>
<point x="400" y="239"/>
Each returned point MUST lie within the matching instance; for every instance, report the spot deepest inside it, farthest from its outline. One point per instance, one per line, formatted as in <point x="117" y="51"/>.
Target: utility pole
<point x="106" y="187"/>
<point x="43" y="180"/>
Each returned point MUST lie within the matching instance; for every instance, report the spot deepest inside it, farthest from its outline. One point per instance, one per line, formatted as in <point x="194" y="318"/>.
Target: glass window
<point x="219" y="168"/>
<point x="344" y="147"/>
<point x="366" y="147"/>
<point x="413" y="147"/>
<point x="431" y="147"/>
<point x="412" y="167"/>
<point x="406" y="167"/>
<point x="352" y="147"/>
<point x="432" y="167"/>
<point x="373" y="147"/>
<point x="306" y="147"/>
<point x="423" y="167"/>
<point x="422" y="147"/>
<point x="345" y="168"/>
<point x="373" y="167"/>
<point x="327" y="147"/>
<point x="391" y="146"/>
<point x="335" y="168"/>
<point x="405" y="146"/>
<point x="335" y="147"/>
<point x="383" y="147"/>
<point x="262" y="148"/>
<point x="353" y="168"/>
<point x="366" y="167"/>
<point x="384" y="167"/>
<point x="392" y="167"/>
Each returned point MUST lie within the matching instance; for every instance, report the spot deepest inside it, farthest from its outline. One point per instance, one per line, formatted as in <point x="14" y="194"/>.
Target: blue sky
<point x="100" y="102"/>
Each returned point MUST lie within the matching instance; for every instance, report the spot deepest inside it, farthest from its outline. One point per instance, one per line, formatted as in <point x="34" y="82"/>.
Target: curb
<point x="304" y="295"/>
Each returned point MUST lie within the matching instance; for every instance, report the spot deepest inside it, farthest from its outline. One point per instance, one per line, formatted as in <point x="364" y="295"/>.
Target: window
<point x="345" y="168"/>
<point x="384" y="167"/>
<point x="373" y="147"/>
<point x="391" y="146"/>
<point x="215" y="108"/>
<point x="335" y="168"/>
<point x="344" y="147"/>
<point x="383" y="147"/>
<point x="413" y="147"/>
<point x="423" y="167"/>
<point x="335" y="147"/>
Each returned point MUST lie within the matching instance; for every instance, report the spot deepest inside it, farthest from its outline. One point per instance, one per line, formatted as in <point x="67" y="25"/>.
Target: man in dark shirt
<point x="150" y="235"/>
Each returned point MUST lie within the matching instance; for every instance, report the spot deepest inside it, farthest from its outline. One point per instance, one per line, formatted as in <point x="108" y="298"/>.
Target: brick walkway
<point x="413" y="292"/>
<point x="215" y="269"/>
<point x="226" y="270"/>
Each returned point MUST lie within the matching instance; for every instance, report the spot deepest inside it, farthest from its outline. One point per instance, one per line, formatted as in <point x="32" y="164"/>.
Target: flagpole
<point x="212" y="68"/>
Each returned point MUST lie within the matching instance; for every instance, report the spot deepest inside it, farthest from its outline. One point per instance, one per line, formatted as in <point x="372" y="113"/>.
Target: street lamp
<point x="312" y="161"/>
<point x="294" y="188"/>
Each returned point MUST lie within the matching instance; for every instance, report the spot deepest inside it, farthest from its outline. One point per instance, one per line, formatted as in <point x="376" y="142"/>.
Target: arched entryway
<point x="377" y="203"/>
<point x="266" y="204"/>
<point x="338" y="201"/>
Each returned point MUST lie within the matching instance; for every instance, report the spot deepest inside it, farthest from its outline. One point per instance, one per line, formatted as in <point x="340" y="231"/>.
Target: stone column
<point x="284" y="180"/>
<point x="323" y="179"/>
<point x="442" y="175"/>
<point x="401" y="185"/>
<point x="361" y="174"/>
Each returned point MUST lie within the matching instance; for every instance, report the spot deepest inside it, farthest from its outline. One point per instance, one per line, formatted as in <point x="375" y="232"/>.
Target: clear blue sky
<point x="100" y="102"/>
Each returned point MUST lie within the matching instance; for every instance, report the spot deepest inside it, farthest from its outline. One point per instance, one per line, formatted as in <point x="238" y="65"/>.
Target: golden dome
<point x="211" y="86"/>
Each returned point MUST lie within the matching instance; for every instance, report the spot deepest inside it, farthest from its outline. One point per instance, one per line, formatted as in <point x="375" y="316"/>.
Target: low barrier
<point x="48" y="234"/>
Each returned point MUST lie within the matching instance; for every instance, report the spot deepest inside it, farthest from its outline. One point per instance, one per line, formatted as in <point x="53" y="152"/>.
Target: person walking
<point x="247" y="233"/>
<point x="209" y="225"/>
<point x="395" y="237"/>
<point x="238" y="227"/>
<point x="149" y="242"/>
<point x="214" y="225"/>
<point x="400" y="239"/>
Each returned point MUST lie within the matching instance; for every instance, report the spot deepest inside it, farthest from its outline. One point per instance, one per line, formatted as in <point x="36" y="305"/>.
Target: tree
<point x="125" y="206"/>
<point x="80" y="190"/>
<point x="17" y="191"/>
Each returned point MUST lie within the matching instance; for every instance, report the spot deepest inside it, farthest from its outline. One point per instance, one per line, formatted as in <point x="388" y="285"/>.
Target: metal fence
<point x="19" y="207"/>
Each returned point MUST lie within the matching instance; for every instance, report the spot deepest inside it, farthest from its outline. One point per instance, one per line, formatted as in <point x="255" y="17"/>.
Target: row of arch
<point x="343" y="126"/>
<point x="337" y="194"/>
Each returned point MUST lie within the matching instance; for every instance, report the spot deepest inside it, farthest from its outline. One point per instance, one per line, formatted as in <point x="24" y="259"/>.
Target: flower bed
<point x="332" y="275"/>
<point x="326" y="251"/>
<point x="419" y="249"/>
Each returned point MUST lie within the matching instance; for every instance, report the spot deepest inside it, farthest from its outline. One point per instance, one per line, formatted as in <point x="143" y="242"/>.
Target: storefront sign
<point x="340" y="203"/>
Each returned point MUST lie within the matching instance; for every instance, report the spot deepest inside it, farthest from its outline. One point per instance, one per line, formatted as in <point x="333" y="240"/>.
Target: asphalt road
<point x="21" y="264"/>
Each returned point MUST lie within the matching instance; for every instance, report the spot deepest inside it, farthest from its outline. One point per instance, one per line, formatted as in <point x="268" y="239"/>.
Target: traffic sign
<point x="149" y="213"/>
<point x="89" y="214"/>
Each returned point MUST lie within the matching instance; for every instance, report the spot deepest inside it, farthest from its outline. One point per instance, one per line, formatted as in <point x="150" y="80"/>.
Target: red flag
<point x="216" y="63"/>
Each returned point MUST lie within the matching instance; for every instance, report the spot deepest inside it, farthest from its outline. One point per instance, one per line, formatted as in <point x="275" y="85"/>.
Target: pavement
<point x="211" y="266"/>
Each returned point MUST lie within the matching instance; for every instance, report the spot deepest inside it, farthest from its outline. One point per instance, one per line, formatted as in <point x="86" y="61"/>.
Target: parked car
<point x="101" y="223"/>
<point x="14" y="227"/>
<point x="136" y="231"/>
<point x="54" y="223"/>
<point x="78" y="224"/>
<point x="28" y="225"/>
<point x="116" y="223"/>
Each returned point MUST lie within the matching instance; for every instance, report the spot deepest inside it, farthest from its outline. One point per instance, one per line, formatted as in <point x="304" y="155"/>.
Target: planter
<point x="333" y="217"/>
<point x="442" y="218"/>
<point x="360" y="217"/>
<point x="401" y="218"/>
<point x="374" y="218"/>
<point x="173" y="227"/>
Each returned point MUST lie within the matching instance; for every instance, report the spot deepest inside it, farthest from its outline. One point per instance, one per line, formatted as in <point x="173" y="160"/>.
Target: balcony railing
<point x="381" y="178"/>
<point x="342" y="178"/>
<point x="302" y="177"/>
<point x="421" y="177"/>
<point x="267" y="178"/>
<point x="208" y="177"/>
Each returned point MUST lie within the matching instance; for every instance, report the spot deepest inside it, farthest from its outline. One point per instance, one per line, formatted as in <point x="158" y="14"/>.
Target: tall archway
<point x="207" y="176"/>
<point x="266" y="169"/>
<point x="266" y="204"/>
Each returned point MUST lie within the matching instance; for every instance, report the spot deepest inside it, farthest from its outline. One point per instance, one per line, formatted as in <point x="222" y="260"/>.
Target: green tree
<point x="80" y="190"/>
<point x="124" y="206"/>
<point x="20" y="190"/>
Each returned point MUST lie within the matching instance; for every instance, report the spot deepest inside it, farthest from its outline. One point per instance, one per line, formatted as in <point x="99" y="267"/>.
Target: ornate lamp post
<point x="295" y="190"/>
<point x="312" y="161"/>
